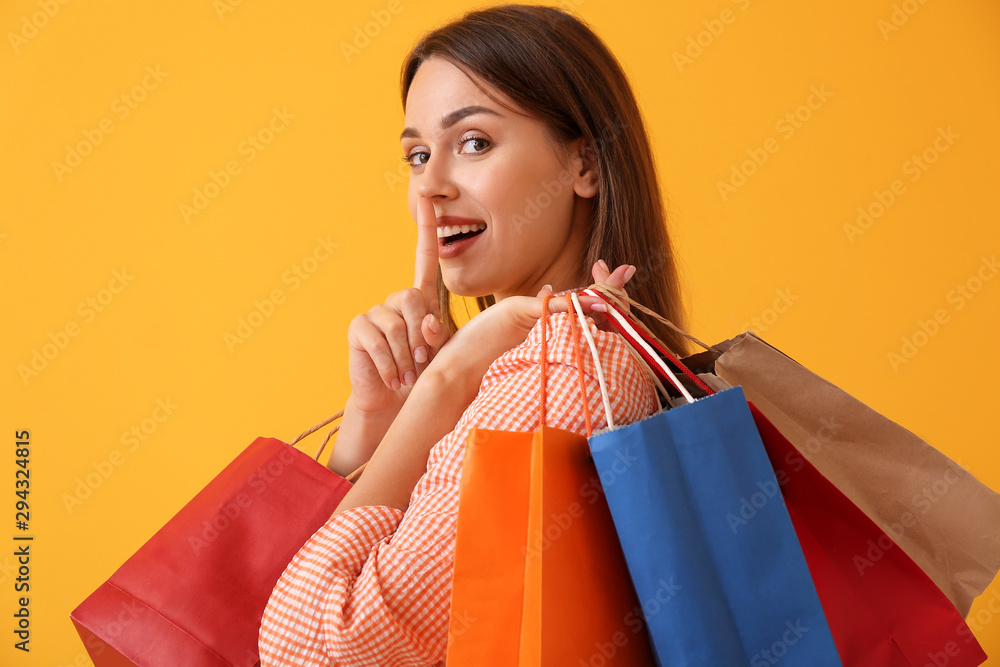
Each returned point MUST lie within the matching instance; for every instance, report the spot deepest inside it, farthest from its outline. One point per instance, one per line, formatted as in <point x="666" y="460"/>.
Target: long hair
<point x="558" y="70"/>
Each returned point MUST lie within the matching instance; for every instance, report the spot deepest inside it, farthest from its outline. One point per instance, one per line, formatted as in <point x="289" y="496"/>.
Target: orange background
<point x="314" y="220"/>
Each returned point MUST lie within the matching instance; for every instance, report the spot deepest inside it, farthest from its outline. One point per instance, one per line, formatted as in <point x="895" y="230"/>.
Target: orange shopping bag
<point x="539" y="575"/>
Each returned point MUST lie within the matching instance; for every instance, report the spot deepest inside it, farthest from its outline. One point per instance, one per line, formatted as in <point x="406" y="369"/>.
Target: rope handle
<point x="599" y="370"/>
<point x="641" y="341"/>
<point x="573" y="303"/>
<point x="597" y="365"/>
<point x="616" y="299"/>
<point x="353" y="477"/>
<point x="619" y="298"/>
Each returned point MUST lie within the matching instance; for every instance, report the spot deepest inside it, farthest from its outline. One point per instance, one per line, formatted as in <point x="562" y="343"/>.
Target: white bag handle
<point x="597" y="362"/>
<point x="639" y="339"/>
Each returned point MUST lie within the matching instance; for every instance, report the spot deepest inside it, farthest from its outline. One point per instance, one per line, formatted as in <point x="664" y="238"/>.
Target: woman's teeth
<point x="445" y="232"/>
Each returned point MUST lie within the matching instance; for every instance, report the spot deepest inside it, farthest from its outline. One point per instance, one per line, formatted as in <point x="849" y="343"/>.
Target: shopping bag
<point x="738" y="594"/>
<point x="893" y="614"/>
<point x="883" y="613"/>
<point x="539" y="578"/>
<point x="194" y="594"/>
<point x="940" y="514"/>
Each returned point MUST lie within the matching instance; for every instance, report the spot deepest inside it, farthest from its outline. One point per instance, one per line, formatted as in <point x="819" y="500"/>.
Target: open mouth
<point x="450" y="235"/>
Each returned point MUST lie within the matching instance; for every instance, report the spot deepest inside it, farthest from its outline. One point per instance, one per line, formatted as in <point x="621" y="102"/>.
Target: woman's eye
<point x="409" y="158"/>
<point x="482" y="144"/>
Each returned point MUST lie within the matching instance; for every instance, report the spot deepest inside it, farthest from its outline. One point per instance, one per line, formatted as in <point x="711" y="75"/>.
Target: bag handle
<point x="619" y="298"/>
<point x="625" y="328"/>
<point x="642" y="339"/>
<point x="599" y="369"/>
<point x="597" y="364"/>
<point x="615" y="300"/>
<point x="353" y="477"/>
<point x="576" y="360"/>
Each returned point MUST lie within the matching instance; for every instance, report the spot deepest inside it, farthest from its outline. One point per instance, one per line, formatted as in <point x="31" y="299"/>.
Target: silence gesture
<point x="392" y="344"/>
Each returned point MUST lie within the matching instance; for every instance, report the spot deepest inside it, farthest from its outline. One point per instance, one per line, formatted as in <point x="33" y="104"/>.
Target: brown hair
<point x="558" y="70"/>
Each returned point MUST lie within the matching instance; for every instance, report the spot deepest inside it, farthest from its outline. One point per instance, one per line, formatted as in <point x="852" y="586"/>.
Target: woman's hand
<point x="388" y="348"/>
<point x="391" y="344"/>
<point x="617" y="280"/>
<point x="506" y="324"/>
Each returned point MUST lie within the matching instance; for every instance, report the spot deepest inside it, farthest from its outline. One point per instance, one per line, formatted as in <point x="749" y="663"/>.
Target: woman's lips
<point x="448" y="248"/>
<point x="452" y="220"/>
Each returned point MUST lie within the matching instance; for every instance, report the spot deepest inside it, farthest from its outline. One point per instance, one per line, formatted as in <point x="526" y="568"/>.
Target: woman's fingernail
<point x="600" y="307"/>
<point x="547" y="286"/>
<point x="629" y="273"/>
<point x="420" y="354"/>
<point x="409" y="378"/>
<point x="604" y="265"/>
<point x="433" y="325"/>
<point x="394" y="385"/>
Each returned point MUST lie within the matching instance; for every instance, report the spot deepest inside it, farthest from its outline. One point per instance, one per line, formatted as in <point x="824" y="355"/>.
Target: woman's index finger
<point x="426" y="265"/>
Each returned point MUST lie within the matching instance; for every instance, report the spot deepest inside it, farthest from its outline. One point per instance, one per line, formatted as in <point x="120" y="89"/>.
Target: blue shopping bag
<point x="708" y="541"/>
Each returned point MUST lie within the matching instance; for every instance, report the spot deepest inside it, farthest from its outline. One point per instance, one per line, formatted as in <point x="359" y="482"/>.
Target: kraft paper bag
<point x="945" y="519"/>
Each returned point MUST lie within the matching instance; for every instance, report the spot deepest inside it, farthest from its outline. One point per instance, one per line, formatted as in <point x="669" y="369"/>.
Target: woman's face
<point x="501" y="173"/>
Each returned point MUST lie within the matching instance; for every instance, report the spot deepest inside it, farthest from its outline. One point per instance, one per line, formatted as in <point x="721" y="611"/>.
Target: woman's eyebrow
<point x="450" y="119"/>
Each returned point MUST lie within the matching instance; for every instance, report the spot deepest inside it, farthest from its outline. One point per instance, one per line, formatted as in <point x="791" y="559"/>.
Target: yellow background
<point x="332" y="172"/>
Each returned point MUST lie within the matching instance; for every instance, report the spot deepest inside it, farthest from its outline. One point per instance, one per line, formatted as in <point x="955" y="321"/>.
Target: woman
<point x="530" y="167"/>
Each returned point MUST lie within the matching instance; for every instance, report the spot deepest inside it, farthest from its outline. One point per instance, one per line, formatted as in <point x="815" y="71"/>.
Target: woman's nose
<point x="436" y="180"/>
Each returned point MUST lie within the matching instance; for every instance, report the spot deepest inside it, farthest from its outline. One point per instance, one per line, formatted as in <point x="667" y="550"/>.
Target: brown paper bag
<point x="946" y="520"/>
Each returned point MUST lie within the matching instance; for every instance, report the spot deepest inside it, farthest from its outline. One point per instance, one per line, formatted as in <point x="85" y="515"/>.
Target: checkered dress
<point x="372" y="586"/>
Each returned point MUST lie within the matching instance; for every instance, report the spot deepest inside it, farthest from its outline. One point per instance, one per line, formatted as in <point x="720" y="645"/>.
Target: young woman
<point x="531" y="171"/>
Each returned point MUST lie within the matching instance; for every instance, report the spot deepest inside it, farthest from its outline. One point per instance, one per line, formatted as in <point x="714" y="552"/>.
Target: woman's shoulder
<point x="513" y="378"/>
<point x="566" y="344"/>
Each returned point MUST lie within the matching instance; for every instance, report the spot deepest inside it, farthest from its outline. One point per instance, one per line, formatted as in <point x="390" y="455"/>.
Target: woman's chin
<point x="466" y="288"/>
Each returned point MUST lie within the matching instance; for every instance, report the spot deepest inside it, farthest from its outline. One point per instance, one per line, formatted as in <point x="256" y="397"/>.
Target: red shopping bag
<point x="883" y="610"/>
<point x="194" y="594"/>
<point x="886" y="614"/>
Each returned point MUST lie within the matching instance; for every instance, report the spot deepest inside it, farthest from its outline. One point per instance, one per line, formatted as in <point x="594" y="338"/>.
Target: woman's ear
<point x="583" y="162"/>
